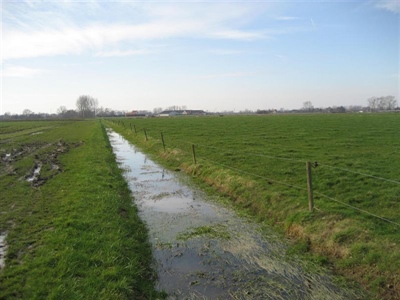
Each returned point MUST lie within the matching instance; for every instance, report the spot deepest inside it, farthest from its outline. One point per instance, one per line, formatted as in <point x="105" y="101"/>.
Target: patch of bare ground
<point x="3" y="249"/>
<point x="47" y="165"/>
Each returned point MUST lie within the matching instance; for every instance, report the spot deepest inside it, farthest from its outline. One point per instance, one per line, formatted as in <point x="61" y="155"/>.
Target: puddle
<point x="205" y="251"/>
<point x="3" y="249"/>
<point x="35" y="173"/>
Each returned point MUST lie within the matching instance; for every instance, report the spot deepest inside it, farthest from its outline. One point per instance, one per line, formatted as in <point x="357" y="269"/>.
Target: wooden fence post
<point x="134" y="129"/>
<point x="145" y="133"/>
<point x="194" y="154"/>
<point x="309" y="187"/>
<point x="162" y="139"/>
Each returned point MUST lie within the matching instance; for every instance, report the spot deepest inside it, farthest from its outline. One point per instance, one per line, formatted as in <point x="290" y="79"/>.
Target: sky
<point x="210" y="55"/>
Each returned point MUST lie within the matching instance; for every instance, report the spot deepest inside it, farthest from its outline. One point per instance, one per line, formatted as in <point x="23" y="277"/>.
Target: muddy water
<point x="3" y="249"/>
<point x="205" y="251"/>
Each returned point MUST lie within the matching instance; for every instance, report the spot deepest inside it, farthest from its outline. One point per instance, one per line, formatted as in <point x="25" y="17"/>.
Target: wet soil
<point x="203" y="250"/>
<point x="3" y="249"/>
<point x="46" y="161"/>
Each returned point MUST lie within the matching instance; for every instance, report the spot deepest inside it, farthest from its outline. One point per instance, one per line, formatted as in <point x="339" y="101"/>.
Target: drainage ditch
<point x="203" y="250"/>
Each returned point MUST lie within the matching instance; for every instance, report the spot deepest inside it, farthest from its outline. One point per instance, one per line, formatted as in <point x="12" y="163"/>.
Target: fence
<point x="308" y="170"/>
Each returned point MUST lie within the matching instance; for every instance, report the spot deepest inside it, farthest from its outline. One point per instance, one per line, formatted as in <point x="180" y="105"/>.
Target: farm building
<point x="186" y="112"/>
<point x="135" y="113"/>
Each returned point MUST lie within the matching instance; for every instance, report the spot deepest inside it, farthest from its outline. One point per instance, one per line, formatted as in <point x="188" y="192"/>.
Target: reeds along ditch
<point x="260" y="163"/>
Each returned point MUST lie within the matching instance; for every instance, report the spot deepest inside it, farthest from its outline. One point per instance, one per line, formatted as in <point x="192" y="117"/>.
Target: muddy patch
<point x="49" y="164"/>
<point x="46" y="164"/>
<point x="203" y="250"/>
<point x="3" y="249"/>
<point x="35" y="173"/>
<point x="37" y="132"/>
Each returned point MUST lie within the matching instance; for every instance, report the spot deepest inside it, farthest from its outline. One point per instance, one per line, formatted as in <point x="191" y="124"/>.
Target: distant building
<point x="186" y="112"/>
<point x="135" y="113"/>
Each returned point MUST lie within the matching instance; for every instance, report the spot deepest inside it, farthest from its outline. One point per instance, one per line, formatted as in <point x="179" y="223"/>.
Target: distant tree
<point x="27" y="113"/>
<point x="157" y="110"/>
<point x="61" y="111"/>
<point x="382" y="103"/>
<point x="307" y="106"/>
<point x="390" y="102"/>
<point x="86" y="106"/>
<point x="373" y="103"/>
<point x="108" y="112"/>
<point x="71" y="113"/>
<point x="339" y="109"/>
<point x="7" y="115"/>
<point x="95" y="105"/>
<point x="246" y="112"/>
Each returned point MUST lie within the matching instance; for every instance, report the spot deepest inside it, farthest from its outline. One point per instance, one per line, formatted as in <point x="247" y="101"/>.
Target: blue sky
<point x="211" y="55"/>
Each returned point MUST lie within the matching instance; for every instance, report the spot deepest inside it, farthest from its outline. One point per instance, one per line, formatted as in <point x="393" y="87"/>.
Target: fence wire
<point x="176" y="142"/>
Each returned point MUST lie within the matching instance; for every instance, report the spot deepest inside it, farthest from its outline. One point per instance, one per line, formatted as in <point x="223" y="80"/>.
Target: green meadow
<point x="259" y="163"/>
<point x="71" y="231"/>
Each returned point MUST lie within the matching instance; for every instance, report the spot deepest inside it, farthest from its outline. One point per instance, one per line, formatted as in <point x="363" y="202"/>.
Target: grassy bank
<point x="71" y="232"/>
<point x="259" y="162"/>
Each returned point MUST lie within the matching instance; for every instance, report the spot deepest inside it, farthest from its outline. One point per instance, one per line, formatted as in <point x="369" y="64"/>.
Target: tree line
<point x="88" y="107"/>
<point x="382" y="103"/>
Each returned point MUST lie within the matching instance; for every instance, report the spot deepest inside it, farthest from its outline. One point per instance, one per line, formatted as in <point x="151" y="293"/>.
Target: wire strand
<point x="255" y="175"/>
<point x="248" y="153"/>
<point x="354" y="172"/>
<point x="356" y="208"/>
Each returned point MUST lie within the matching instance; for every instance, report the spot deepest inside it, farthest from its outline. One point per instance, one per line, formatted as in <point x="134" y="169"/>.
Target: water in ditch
<point x="203" y="250"/>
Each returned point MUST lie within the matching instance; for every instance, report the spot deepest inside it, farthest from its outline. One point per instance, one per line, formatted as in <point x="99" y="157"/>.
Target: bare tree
<point x="307" y="106"/>
<point x="391" y="102"/>
<point x="373" y="103"/>
<point x="157" y="110"/>
<point x="87" y="105"/>
<point x="382" y="103"/>
<point x="61" y="111"/>
<point x="95" y="105"/>
<point x="27" y="112"/>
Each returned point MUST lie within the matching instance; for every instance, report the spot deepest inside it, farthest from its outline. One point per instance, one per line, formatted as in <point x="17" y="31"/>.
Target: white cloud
<point x="390" y="5"/>
<point x="19" y="71"/>
<point x="225" y="51"/>
<point x="238" y="35"/>
<point x="119" y="53"/>
<point x="73" y="40"/>
<point x="53" y="30"/>
<point x="225" y="75"/>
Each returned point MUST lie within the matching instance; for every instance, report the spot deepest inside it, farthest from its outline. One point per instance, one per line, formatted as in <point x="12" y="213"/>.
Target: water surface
<point x="203" y="250"/>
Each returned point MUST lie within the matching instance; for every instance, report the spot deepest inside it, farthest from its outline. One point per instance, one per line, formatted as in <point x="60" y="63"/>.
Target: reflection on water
<point x="221" y="256"/>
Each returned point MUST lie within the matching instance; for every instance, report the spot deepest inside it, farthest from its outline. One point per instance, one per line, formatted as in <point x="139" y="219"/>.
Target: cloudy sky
<point x="211" y="55"/>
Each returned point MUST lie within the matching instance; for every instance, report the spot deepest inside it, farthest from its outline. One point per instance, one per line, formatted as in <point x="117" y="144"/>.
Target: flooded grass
<point x="204" y="250"/>
<point x="217" y="231"/>
<point x="258" y="163"/>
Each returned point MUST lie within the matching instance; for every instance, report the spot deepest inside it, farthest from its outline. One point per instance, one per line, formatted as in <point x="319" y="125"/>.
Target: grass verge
<point x="77" y="234"/>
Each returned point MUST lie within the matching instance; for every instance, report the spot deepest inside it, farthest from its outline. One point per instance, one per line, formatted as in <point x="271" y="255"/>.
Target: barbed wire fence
<point x="168" y="140"/>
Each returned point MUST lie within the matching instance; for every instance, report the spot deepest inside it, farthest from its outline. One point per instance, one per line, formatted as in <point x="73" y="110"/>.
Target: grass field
<point x="71" y="231"/>
<point x="259" y="162"/>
